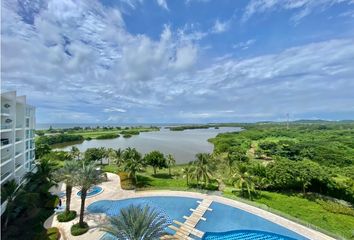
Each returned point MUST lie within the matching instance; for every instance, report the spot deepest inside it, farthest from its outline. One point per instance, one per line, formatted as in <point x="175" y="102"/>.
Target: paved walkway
<point x="113" y="191"/>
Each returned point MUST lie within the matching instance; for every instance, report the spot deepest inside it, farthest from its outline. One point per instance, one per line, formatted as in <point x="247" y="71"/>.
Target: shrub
<point x="125" y="181"/>
<point x="76" y="230"/>
<point x="66" y="216"/>
<point x="48" y="234"/>
<point x="127" y="135"/>
<point x="53" y="233"/>
<point x="108" y="136"/>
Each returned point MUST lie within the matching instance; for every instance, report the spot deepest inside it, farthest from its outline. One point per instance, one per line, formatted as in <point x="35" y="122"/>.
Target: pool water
<point x="244" y="235"/>
<point x="95" y="190"/>
<point x="222" y="223"/>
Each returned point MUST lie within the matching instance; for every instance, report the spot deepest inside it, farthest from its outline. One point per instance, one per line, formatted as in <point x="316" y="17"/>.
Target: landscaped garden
<point x="303" y="173"/>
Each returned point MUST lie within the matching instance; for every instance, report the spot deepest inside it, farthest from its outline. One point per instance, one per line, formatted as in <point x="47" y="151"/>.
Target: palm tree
<point x="137" y="223"/>
<point x="9" y="192"/>
<point x="188" y="172"/>
<point x="230" y="159"/>
<point x="203" y="169"/>
<point x="67" y="174"/>
<point x="17" y="200"/>
<point x="132" y="162"/>
<point x="75" y="152"/>
<point x="171" y="161"/>
<point x="43" y="178"/>
<point x="119" y="156"/>
<point x="86" y="177"/>
<point x="243" y="180"/>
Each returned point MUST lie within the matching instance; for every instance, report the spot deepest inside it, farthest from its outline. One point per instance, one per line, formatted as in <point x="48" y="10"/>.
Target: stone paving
<point x="113" y="191"/>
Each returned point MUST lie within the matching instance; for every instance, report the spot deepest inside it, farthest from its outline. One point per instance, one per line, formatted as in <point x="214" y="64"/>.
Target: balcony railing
<point x="5" y="141"/>
<point x="17" y="153"/>
<point x="18" y="139"/>
<point x="4" y="175"/>
<point x="19" y="125"/>
<point x="5" y="110"/>
<point x="6" y="126"/>
<point x="17" y="165"/>
<point x="5" y="157"/>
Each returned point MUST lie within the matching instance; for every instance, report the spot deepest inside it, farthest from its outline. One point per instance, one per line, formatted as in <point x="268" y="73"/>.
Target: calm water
<point x="183" y="145"/>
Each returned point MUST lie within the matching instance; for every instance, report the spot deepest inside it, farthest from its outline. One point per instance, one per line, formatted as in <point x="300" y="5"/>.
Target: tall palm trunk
<point x="169" y="170"/>
<point x="82" y="210"/>
<point x="69" y="189"/>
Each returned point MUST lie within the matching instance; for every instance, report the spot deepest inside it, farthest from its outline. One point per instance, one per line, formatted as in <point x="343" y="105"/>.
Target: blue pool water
<point x="223" y="223"/>
<point x="92" y="191"/>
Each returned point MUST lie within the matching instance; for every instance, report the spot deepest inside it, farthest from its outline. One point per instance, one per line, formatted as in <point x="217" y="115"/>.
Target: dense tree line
<point x="58" y="138"/>
<point x="307" y="157"/>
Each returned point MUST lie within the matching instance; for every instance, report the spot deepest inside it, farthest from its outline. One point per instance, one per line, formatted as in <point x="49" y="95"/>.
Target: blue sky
<point x="180" y="61"/>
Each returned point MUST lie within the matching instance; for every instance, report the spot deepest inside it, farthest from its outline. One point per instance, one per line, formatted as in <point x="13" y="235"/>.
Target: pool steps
<point x="188" y="227"/>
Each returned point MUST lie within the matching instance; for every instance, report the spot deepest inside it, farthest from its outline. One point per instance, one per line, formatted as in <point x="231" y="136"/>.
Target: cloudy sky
<point x="160" y="61"/>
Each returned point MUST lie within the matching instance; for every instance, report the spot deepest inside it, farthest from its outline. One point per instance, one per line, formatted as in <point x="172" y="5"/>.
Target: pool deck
<point x="113" y="191"/>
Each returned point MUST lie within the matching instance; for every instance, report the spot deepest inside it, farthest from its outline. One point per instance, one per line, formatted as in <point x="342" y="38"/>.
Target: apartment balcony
<point x="18" y="139"/>
<point x="5" y="158"/>
<point x="18" y="153"/>
<point x="5" y="142"/>
<point x="6" y="175"/>
<point x="6" y="127"/>
<point x="18" y="166"/>
<point x="5" y="112"/>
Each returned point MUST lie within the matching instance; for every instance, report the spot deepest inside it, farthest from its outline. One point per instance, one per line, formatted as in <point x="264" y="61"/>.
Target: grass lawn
<point x="306" y="210"/>
<point x="162" y="180"/>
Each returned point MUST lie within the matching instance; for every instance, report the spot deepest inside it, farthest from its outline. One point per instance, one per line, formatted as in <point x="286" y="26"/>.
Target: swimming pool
<point x="223" y="223"/>
<point x="95" y="190"/>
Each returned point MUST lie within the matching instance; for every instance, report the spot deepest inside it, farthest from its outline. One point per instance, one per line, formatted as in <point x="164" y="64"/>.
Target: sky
<point x="180" y="61"/>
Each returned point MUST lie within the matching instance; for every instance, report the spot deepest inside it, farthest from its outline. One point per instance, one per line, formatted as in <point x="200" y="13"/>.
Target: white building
<point x="17" y="138"/>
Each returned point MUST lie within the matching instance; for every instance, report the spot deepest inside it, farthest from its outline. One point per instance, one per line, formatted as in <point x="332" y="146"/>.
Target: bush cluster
<point x="125" y="181"/>
<point x="76" y="230"/>
<point x="66" y="216"/>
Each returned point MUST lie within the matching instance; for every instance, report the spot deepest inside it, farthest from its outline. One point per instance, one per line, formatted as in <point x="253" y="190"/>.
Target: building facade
<point x="17" y="138"/>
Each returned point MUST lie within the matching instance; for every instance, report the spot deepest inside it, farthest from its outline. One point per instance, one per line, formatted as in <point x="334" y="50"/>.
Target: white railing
<point x="5" y="157"/>
<point x="5" y="110"/>
<point x="6" y="126"/>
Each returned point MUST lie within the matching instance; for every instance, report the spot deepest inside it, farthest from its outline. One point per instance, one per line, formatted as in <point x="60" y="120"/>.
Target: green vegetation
<point x="49" y="234"/>
<point x="66" y="216"/>
<point x="137" y="222"/>
<point x="307" y="208"/>
<point x="155" y="159"/>
<point x="29" y="205"/>
<point x="304" y="173"/>
<point x="86" y="177"/>
<point x="108" y="136"/>
<point x="79" y="229"/>
<point x="126" y="182"/>
<point x="59" y="138"/>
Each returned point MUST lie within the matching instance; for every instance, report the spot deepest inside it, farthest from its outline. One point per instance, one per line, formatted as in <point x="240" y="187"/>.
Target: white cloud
<point x="244" y="45"/>
<point x="163" y="4"/>
<point x="303" y="8"/>
<point x="75" y="66"/>
<point x="114" y="109"/>
<point x="220" y="27"/>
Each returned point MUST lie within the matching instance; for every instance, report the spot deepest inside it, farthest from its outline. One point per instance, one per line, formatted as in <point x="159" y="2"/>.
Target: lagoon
<point x="183" y="145"/>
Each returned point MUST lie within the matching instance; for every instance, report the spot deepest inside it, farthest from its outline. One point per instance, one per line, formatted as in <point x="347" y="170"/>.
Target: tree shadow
<point x="143" y="181"/>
